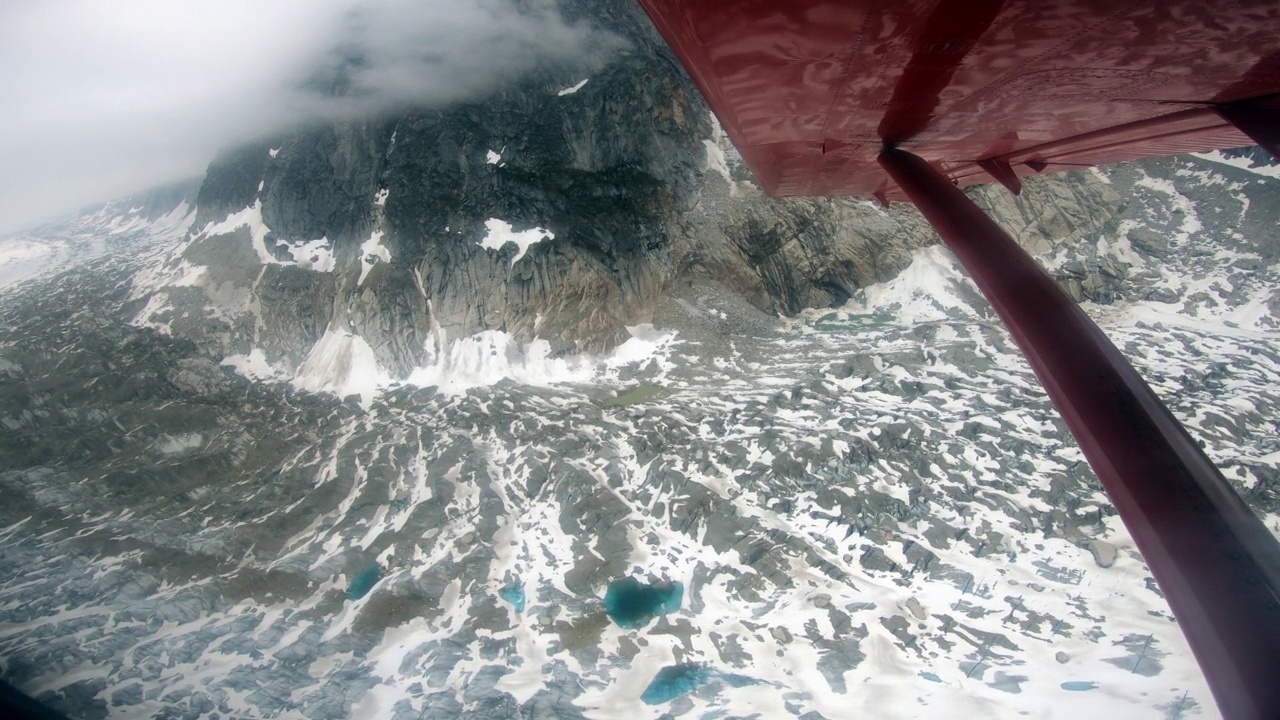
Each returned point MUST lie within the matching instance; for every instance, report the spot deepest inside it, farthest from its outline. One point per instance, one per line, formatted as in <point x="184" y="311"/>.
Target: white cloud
<point x="102" y="99"/>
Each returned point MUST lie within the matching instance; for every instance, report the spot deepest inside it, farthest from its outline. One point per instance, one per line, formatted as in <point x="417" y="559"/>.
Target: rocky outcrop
<point x="1067" y="210"/>
<point x="390" y="229"/>
<point x="606" y="170"/>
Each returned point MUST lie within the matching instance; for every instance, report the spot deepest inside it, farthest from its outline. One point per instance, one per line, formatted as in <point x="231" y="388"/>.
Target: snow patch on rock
<point x="167" y="275"/>
<point x="488" y="357"/>
<point x="716" y="161"/>
<point x="251" y="218"/>
<point x="342" y="363"/>
<point x="455" y="366"/>
<point x="500" y="233"/>
<point x="180" y="444"/>
<point x="370" y="251"/>
<point x="933" y="287"/>
<point x="573" y="88"/>
<point x="148" y="317"/>
<point x="311" y="255"/>
<point x="254" y="366"/>
<point x="1217" y="156"/>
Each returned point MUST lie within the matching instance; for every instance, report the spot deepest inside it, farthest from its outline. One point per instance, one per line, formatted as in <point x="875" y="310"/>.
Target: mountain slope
<point x="871" y="510"/>
<point x="374" y="421"/>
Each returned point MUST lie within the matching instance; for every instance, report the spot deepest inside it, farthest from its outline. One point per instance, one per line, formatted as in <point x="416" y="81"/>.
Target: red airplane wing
<point x="809" y="91"/>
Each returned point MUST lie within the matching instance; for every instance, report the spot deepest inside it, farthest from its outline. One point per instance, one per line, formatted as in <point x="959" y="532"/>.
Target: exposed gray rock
<point x="917" y="610"/>
<point x="1104" y="553"/>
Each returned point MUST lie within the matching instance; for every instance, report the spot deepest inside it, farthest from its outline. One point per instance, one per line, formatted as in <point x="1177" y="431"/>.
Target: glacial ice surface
<point x="873" y="510"/>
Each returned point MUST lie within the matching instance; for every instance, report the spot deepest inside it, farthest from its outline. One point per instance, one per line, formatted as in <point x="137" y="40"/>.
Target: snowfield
<point x="872" y="510"/>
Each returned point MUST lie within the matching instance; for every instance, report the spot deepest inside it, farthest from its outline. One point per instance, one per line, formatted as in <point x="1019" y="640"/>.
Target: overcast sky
<point x="101" y="98"/>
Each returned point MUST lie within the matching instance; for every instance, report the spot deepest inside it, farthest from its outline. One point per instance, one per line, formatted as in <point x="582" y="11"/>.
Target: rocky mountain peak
<point x="561" y="208"/>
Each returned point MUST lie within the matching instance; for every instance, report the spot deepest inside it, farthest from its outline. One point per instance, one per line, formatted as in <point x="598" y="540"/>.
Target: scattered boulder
<point x="917" y="609"/>
<point x="1104" y="553"/>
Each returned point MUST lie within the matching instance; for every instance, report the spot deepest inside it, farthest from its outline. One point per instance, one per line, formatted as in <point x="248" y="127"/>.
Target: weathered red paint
<point x="1051" y="83"/>
<point x="1214" y="560"/>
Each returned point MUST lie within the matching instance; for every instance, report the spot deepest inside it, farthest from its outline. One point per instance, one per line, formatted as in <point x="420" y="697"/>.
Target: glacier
<point x="871" y="510"/>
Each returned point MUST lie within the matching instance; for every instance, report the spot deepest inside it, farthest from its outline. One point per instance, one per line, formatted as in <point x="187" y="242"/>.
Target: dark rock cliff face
<point x="628" y="172"/>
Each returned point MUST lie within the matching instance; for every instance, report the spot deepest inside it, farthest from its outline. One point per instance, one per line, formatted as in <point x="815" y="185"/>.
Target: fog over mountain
<point x="518" y="398"/>
<point x="102" y="99"/>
